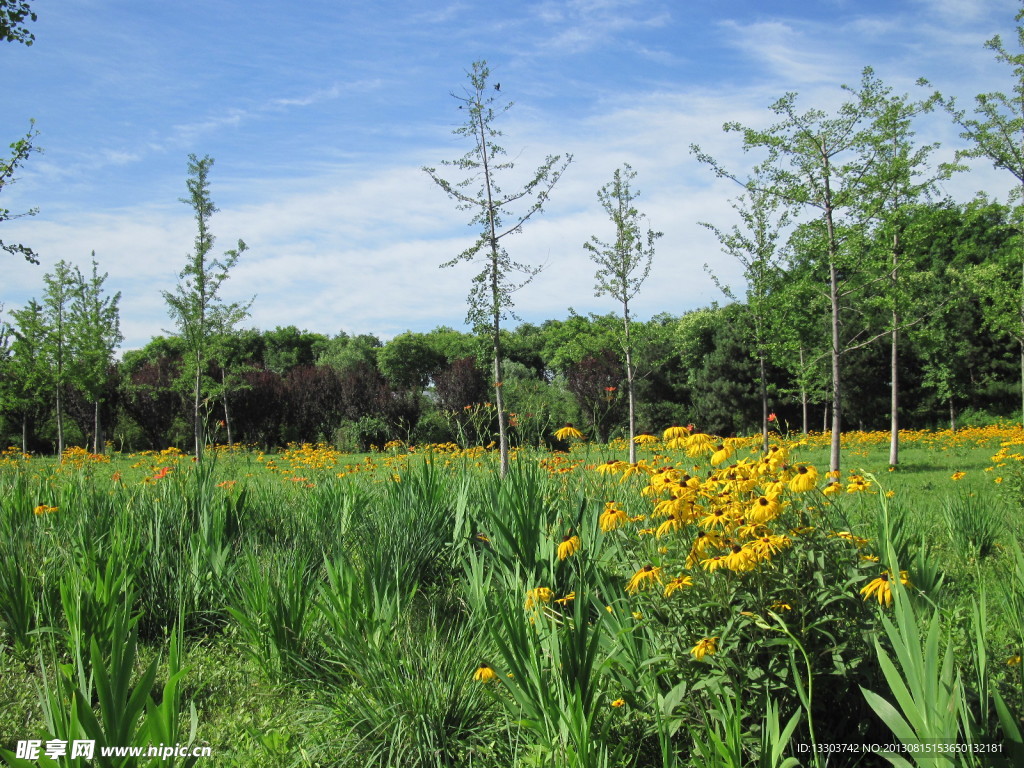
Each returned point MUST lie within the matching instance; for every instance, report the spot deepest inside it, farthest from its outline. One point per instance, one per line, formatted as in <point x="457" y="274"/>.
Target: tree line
<point x="848" y="258"/>
<point x="706" y="367"/>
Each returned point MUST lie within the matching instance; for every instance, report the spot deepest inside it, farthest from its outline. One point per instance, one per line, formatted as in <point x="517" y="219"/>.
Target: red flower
<point x="162" y="473"/>
<point x="772" y="417"/>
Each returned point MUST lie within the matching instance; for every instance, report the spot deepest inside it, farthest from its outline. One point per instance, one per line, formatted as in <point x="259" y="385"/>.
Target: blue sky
<point x="320" y="116"/>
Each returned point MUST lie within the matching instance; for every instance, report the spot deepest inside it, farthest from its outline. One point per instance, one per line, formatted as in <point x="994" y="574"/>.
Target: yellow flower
<point x="712" y="564"/>
<point x="537" y="596"/>
<point x="567" y="599"/>
<point x="673" y="432"/>
<point x="677" y="583"/>
<point x="612" y="517"/>
<point x="568" y="432"/>
<point x="833" y="487"/>
<point x="643" y="578"/>
<point x="881" y="588"/>
<point x="641" y="467"/>
<point x="570" y="546"/>
<point x="699" y="444"/>
<point x="739" y="559"/>
<point x="721" y="455"/>
<point x="618" y="703"/>
<point x="672" y="524"/>
<point x="612" y="466"/>
<point x="805" y="478"/>
<point x="484" y="674"/>
<point x="43" y="509"/>
<point x="1014" y="661"/>
<point x="709" y="645"/>
<point x="645" y="439"/>
<point x="764" y="509"/>
<point x="958" y="476"/>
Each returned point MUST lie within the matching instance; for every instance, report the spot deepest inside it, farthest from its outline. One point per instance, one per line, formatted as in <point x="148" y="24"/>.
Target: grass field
<point x="707" y="606"/>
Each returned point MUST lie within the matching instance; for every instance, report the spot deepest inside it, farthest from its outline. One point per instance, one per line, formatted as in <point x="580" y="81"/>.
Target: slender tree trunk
<point x="24" y="433"/>
<point x="97" y="439"/>
<point x="824" y="421"/>
<point x="894" y="437"/>
<point x="952" y="416"/>
<point x="60" y="424"/>
<point x="197" y="422"/>
<point x="833" y="294"/>
<point x="894" y="381"/>
<point x="837" y="390"/>
<point x="804" y="404"/>
<point x="499" y="400"/>
<point x="227" y="413"/>
<point x="1022" y="382"/>
<point x="629" y="384"/>
<point x="764" y="406"/>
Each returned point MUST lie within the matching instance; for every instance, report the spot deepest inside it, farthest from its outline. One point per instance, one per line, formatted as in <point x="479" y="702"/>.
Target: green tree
<point x="20" y="150"/>
<point x="195" y="305"/>
<point x="830" y="165"/>
<point x="95" y="334"/>
<point x="904" y="180"/>
<point x="622" y="267"/>
<point x="996" y="132"/>
<point x="753" y="245"/>
<point x="62" y="289"/>
<point x="27" y="370"/>
<point x="490" y="300"/>
<point x="409" y="361"/>
<point x="13" y="16"/>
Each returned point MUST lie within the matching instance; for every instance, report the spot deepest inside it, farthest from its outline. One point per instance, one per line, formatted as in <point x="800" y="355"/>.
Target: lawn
<point x="407" y="607"/>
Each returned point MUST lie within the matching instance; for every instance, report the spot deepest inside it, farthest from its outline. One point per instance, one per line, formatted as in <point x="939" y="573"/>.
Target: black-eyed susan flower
<point x="673" y="524"/>
<point x="645" y="439"/>
<point x="958" y="475"/>
<point x="484" y="674"/>
<point x="699" y="444"/>
<point x="805" y="477"/>
<point x="567" y="599"/>
<point x="713" y="563"/>
<point x="740" y="559"/>
<point x="644" y="578"/>
<point x="831" y="488"/>
<point x="618" y="703"/>
<point x="568" y="432"/>
<point x="640" y="468"/>
<point x="765" y="546"/>
<point x="612" y="517"/>
<point x="679" y="582"/>
<point x="611" y="467"/>
<point x="538" y="596"/>
<point x="764" y="509"/>
<point x="675" y="432"/>
<point x="881" y="588"/>
<point x="721" y="454"/>
<point x="44" y="509"/>
<point x="570" y="546"/>
<point x="707" y="646"/>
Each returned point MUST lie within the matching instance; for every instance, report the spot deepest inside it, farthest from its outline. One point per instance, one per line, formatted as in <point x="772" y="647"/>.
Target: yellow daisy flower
<point x="570" y="546"/>
<point x="644" y="578"/>
<point x="707" y="646"/>
<point x="484" y="674"/>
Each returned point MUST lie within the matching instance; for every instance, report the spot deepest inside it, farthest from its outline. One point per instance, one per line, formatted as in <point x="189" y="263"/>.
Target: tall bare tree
<point x="498" y="215"/>
<point x="623" y="266"/>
